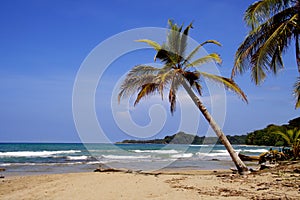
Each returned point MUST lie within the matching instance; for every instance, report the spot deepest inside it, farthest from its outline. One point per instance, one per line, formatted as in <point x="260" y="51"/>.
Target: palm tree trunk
<point x="241" y="167"/>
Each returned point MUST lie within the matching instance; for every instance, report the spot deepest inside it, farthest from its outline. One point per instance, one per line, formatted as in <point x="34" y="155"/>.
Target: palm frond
<point x="296" y="135"/>
<point x="152" y="43"/>
<point x="192" y="54"/>
<point x="143" y="69"/>
<point x="275" y="41"/>
<point x="258" y="74"/>
<point x="228" y="83"/>
<point x="198" y="87"/>
<point x="183" y="40"/>
<point x="137" y="76"/>
<point x="175" y="84"/>
<point x="191" y="77"/>
<point x="146" y="90"/>
<point x="285" y="135"/>
<point x="163" y="79"/>
<point x="172" y="100"/>
<point x="167" y="57"/>
<point x="264" y="46"/>
<point x="173" y="38"/>
<point x="261" y="10"/>
<point x="131" y="84"/>
<point x="213" y="57"/>
<point x="276" y="61"/>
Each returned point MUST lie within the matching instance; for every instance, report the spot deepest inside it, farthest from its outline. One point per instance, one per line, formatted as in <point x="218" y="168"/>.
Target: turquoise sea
<point x="47" y="158"/>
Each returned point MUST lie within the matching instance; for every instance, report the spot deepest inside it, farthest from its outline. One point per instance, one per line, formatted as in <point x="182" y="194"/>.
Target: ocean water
<point x="47" y="158"/>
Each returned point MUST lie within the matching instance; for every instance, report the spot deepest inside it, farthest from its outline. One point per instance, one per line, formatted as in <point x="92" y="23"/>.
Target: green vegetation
<point x="268" y="136"/>
<point x="183" y="138"/>
<point x="292" y="138"/>
<point x="274" y="27"/>
<point x="180" y="70"/>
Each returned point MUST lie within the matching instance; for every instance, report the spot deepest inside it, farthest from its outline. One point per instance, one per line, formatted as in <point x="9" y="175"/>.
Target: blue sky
<point x="44" y="42"/>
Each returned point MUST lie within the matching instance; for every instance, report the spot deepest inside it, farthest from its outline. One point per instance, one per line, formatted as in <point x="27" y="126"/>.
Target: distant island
<point x="184" y="138"/>
<point x="259" y="137"/>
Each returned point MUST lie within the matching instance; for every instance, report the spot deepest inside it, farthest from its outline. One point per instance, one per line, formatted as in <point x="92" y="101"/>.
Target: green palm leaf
<point x="285" y="135"/>
<point x="193" y="53"/>
<point x="145" y="90"/>
<point x="262" y="10"/>
<point x="213" y="57"/>
<point x="228" y="83"/>
<point x="183" y="40"/>
<point x="289" y="135"/>
<point x="274" y="26"/>
<point x="152" y="43"/>
<point x="164" y="79"/>
<point x="142" y="69"/>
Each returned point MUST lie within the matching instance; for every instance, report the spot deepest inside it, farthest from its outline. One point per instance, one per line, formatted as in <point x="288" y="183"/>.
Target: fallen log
<point x="112" y="170"/>
<point x="248" y="158"/>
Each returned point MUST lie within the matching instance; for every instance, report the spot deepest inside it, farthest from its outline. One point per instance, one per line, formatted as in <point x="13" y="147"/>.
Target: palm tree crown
<point x="179" y="70"/>
<point x="274" y="26"/>
<point x="176" y="70"/>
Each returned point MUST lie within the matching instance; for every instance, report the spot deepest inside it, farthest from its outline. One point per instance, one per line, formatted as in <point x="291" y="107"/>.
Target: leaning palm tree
<point x="292" y="139"/>
<point x="274" y="26"/>
<point x="178" y="71"/>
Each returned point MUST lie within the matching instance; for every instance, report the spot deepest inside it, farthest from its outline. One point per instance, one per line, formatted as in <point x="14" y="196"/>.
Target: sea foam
<point x="171" y="151"/>
<point x="182" y="155"/>
<point x="119" y="157"/>
<point x="35" y="153"/>
<point x="78" y="157"/>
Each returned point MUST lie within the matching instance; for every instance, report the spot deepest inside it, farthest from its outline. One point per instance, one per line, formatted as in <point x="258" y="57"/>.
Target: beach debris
<point x="272" y="156"/>
<point x="263" y="188"/>
<point x="268" y="166"/>
<point x="248" y="158"/>
<point x="234" y="170"/>
<point x="297" y="171"/>
<point x="254" y="170"/>
<point x="112" y="170"/>
<point x="104" y="168"/>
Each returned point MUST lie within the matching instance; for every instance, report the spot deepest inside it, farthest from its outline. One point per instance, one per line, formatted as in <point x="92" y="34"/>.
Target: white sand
<point x="179" y="185"/>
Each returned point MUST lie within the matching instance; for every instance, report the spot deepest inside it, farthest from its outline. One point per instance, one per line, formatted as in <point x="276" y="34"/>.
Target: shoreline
<point x="282" y="182"/>
<point x="164" y="171"/>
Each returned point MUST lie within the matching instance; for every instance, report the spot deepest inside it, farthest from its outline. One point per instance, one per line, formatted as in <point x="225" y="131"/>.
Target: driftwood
<point x="104" y="168"/>
<point x="248" y="158"/>
<point x="112" y="170"/>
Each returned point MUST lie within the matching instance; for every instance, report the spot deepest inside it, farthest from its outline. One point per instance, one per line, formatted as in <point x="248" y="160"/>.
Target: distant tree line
<point x="266" y="137"/>
<point x="183" y="138"/>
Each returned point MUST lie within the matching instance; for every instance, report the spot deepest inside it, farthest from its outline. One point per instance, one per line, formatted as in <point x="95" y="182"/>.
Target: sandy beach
<point x="280" y="183"/>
